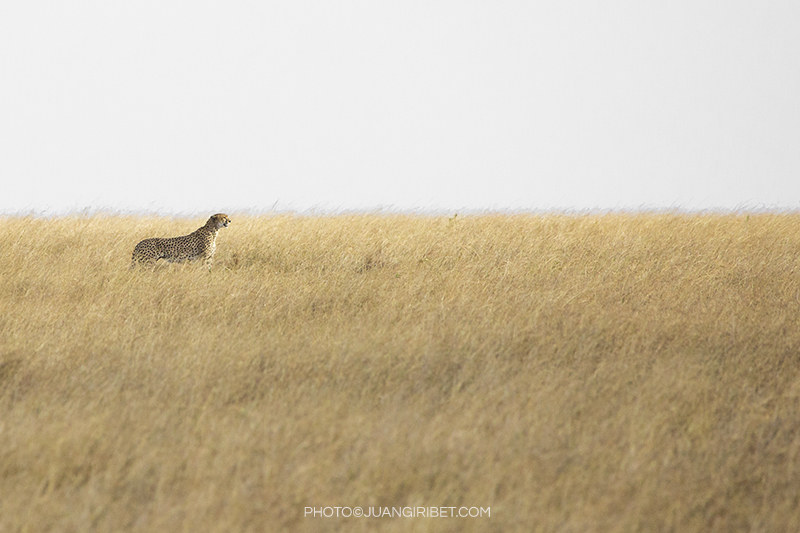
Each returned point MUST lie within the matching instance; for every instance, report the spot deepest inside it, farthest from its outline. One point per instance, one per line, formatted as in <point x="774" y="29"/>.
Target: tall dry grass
<point x="623" y="372"/>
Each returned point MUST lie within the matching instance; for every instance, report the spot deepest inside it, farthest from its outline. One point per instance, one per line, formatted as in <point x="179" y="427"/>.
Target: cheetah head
<point x="218" y="221"/>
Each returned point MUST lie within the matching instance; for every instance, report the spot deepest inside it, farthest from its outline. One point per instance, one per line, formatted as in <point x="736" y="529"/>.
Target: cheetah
<point x="197" y="245"/>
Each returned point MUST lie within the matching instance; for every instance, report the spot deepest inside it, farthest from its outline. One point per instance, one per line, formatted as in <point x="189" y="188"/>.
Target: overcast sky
<point x="197" y="106"/>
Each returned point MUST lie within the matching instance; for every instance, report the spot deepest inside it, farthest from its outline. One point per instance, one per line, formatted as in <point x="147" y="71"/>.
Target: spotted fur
<point x="199" y="244"/>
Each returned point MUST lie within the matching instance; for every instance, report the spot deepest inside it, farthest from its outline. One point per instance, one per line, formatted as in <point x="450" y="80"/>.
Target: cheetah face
<point x="220" y="220"/>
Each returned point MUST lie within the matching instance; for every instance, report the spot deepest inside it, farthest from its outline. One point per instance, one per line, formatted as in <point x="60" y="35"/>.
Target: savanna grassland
<point x="618" y="372"/>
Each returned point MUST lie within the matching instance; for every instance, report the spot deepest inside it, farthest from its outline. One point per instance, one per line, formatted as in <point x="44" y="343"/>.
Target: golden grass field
<point x="617" y="372"/>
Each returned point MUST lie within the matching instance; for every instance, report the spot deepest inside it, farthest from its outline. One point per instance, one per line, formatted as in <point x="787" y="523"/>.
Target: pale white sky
<point x="203" y="106"/>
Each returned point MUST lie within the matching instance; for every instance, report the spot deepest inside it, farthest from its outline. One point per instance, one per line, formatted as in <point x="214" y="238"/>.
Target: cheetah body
<point x="199" y="244"/>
